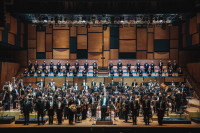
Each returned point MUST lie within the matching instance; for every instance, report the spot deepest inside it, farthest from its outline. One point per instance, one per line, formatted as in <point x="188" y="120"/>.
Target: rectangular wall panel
<point x="94" y="42"/>
<point x="174" y="44"/>
<point x="60" y="27"/>
<point x="82" y="30"/>
<point x="60" y="38"/>
<point x="160" y="33"/>
<point x="95" y="29"/>
<point x="127" y="45"/>
<point x="193" y="25"/>
<point x="198" y="18"/>
<point x="72" y="31"/>
<point x="127" y="33"/>
<point x="149" y="55"/>
<point x="40" y="41"/>
<point x="73" y="56"/>
<point x="96" y="56"/>
<point x="60" y="53"/>
<point x="114" y="53"/>
<point x="22" y="28"/>
<point x="150" y="29"/>
<point x="161" y="55"/>
<point x="141" y="39"/>
<point x="49" y="42"/>
<point x="195" y="39"/>
<point x="141" y="54"/>
<point x="81" y="41"/>
<point x="48" y="55"/>
<point x="32" y="44"/>
<point x="150" y="46"/>
<point x="11" y="38"/>
<point x="174" y="32"/>
<point x="48" y="30"/>
<point x="107" y="57"/>
<point x="31" y="32"/>
<point x="31" y="53"/>
<point x="106" y="38"/>
<point x="174" y="54"/>
<point x="8" y="18"/>
<point x="13" y="25"/>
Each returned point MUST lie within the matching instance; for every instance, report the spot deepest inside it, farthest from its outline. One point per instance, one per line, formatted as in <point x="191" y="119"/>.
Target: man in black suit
<point x="169" y="65"/>
<point x="149" y="72"/>
<point x="138" y="65"/>
<point x="26" y="108"/>
<point x="120" y="72"/>
<point x="93" y="103"/>
<point x="93" y="84"/>
<point x="40" y="110"/>
<point x="67" y="66"/>
<point x="59" y="66"/>
<point x="119" y="65"/>
<point x="30" y="65"/>
<point x="77" y="65"/>
<point x="170" y="71"/>
<point x="174" y="66"/>
<point x="134" y="109"/>
<point x="14" y="94"/>
<point x="180" y="72"/>
<point x="104" y="103"/>
<point x="134" y="83"/>
<point x="160" y="107"/>
<point x="46" y="73"/>
<point x="39" y="72"/>
<point x="50" y="106"/>
<point x="41" y="84"/>
<point x="84" y="72"/>
<point x="146" y="67"/>
<point x="152" y="66"/>
<point x="75" y="72"/>
<point x="146" y="109"/>
<point x="32" y="72"/>
<point x="65" y="73"/>
<point x="36" y="66"/>
<point x="55" y="72"/>
<point x="59" y="110"/>
<point x="95" y="72"/>
<point x="160" y="64"/>
<point x="128" y="67"/>
<point x="125" y="109"/>
<point x="110" y="66"/>
<point x="44" y="66"/>
<point x="112" y="72"/>
<point x="159" y="72"/>
<point x="51" y="66"/>
<point x="95" y="65"/>
<point x="86" y="65"/>
<point x="140" y="73"/>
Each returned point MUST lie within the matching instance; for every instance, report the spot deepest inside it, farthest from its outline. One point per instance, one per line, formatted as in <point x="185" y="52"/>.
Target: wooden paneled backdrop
<point x="54" y="42"/>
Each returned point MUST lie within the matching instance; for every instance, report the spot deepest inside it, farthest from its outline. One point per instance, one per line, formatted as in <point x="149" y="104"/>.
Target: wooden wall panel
<point x="184" y="40"/>
<point x="31" y="53"/>
<point x="142" y="39"/>
<point x="95" y="42"/>
<point x="174" y="32"/>
<point x="72" y="31"/>
<point x="198" y="18"/>
<point x="195" y="39"/>
<point x="61" y="27"/>
<point x="60" y="38"/>
<point x="4" y="70"/>
<point x="40" y="41"/>
<point x="149" y="55"/>
<point x="107" y="57"/>
<point x="8" y="18"/>
<point x="114" y="53"/>
<point x="32" y="44"/>
<point x="11" y="38"/>
<point x="48" y="42"/>
<point x="60" y="53"/>
<point x="106" y="38"/>
<point x="48" y="55"/>
<point x="95" y="29"/>
<point x="31" y="32"/>
<point x="183" y="28"/>
<point x="0" y="35"/>
<point x="22" y="28"/>
<point x="82" y="30"/>
<point x="13" y="25"/>
<point x="174" y="44"/>
<point x="127" y="45"/>
<point x="73" y="56"/>
<point x="193" y="25"/>
<point x="22" y="41"/>
<point x="150" y="29"/>
<point x="161" y="55"/>
<point x="97" y="80"/>
<point x="141" y="54"/>
<point x="58" y="81"/>
<point x="96" y="56"/>
<point x="160" y="33"/>
<point x="176" y="79"/>
<point x="127" y="33"/>
<point x="81" y="41"/>
<point x="150" y="46"/>
<point x="48" y="30"/>
<point x="174" y="54"/>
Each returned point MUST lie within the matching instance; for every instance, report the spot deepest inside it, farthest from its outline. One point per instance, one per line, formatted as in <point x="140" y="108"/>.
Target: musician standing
<point x="160" y="107"/>
<point x="50" y="106"/>
<point x="36" y="66"/>
<point x="14" y="94"/>
<point x="152" y="66"/>
<point x="71" y="113"/>
<point x="30" y="65"/>
<point x="110" y="66"/>
<point x="146" y="67"/>
<point x="134" y="109"/>
<point x="129" y="67"/>
<point x="119" y="65"/>
<point x="67" y="66"/>
<point x="26" y="107"/>
<point x="59" y="66"/>
<point x="138" y="66"/>
<point x="94" y="66"/>
<point x="77" y="66"/>
<point x="93" y="104"/>
<point x="51" y="66"/>
<point x="44" y="66"/>
<point x="125" y="109"/>
<point x="59" y="110"/>
<point x="40" y="109"/>
<point x="160" y="64"/>
<point x="86" y="65"/>
<point x="146" y="109"/>
<point x="103" y="104"/>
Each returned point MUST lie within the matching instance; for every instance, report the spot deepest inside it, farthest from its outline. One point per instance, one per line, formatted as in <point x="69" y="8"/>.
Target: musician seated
<point x="65" y="73"/>
<point x="58" y="66"/>
<point x="44" y="66"/>
<point x="67" y="66"/>
<point x="174" y="66"/>
<point x="159" y="72"/>
<point x="119" y="65"/>
<point x="84" y="72"/>
<point x="149" y="72"/>
<point x="25" y="73"/>
<point x="130" y="74"/>
<point x="110" y="66"/>
<point x="39" y="72"/>
<point x="94" y="66"/>
<point x="86" y="65"/>
<point x="32" y="72"/>
<point x="112" y="72"/>
<point x="120" y="72"/>
<point x="170" y="71"/>
<point x="77" y="65"/>
<point x="75" y="72"/>
<point x="95" y="73"/>
<point x="169" y="65"/>
<point x="55" y="72"/>
<point x="46" y="73"/>
<point x="51" y="66"/>
<point x="146" y="67"/>
<point x="180" y="72"/>
<point x="128" y="67"/>
<point x="138" y="66"/>
<point x="152" y="66"/>
<point x="140" y="73"/>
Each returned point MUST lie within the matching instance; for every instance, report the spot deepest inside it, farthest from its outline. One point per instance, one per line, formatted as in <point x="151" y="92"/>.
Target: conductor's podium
<point x="107" y="121"/>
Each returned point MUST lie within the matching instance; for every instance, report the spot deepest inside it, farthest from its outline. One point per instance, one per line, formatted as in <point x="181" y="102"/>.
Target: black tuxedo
<point x="40" y="109"/>
<point x="50" y="106"/>
<point x="59" y="110"/>
<point x="152" y="67"/>
<point x="146" y="108"/>
<point x="93" y="104"/>
<point x="120" y="72"/>
<point x="138" y="66"/>
<point x="95" y="73"/>
<point x="26" y="108"/>
<point x="160" y="107"/>
<point x="94" y="65"/>
<point x="112" y="72"/>
<point x="170" y="72"/>
<point x="77" y="66"/>
<point x="30" y="66"/>
<point x="110" y="66"/>
<point x="119" y="65"/>
<point x="39" y="73"/>
<point x="149" y="72"/>
<point x="135" y="110"/>
<point x="169" y="65"/>
<point x="86" y="66"/>
<point x="140" y="73"/>
<point x="14" y="93"/>
<point x="46" y="73"/>
<point x="51" y="66"/>
<point x="160" y="65"/>
<point x="65" y="72"/>
<point x="55" y="72"/>
<point x="44" y="66"/>
<point x="75" y="72"/>
<point x="36" y="66"/>
<point x="174" y="66"/>
<point x="59" y="66"/>
<point x="67" y="66"/>
<point x="84" y="72"/>
<point x="104" y="104"/>
<point x="146" y="67"/>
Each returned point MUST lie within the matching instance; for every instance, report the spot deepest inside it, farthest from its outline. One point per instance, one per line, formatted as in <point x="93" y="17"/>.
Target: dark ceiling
<point x="102" y="6"/>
